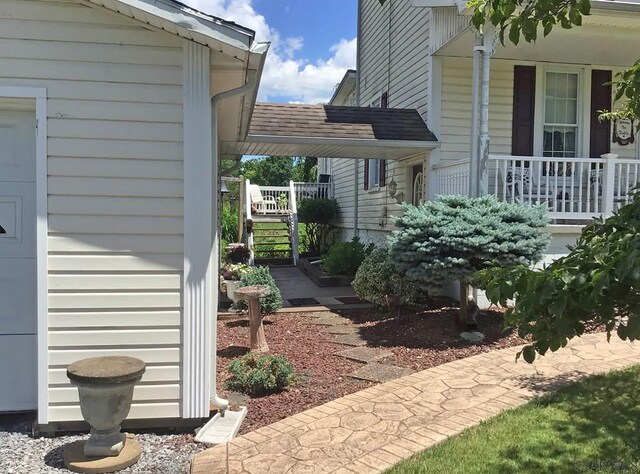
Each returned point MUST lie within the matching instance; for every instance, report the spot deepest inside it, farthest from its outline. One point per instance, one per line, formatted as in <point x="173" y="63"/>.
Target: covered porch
<point x="319" y="131"/>
<point x="545" y="141"/>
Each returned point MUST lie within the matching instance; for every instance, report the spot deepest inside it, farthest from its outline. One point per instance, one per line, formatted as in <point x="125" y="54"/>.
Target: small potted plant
<point x="231" y="274"/>
<point x="283" y="202"/>
<point x="238" y="253"/>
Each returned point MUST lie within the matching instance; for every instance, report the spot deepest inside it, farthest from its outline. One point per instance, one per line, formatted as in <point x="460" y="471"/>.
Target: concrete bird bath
<point x="105" y="386"/>
<point x="252" y="294"/>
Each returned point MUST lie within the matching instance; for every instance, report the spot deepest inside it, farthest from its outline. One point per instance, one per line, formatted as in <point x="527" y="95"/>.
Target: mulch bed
<point x="421" y="339"/>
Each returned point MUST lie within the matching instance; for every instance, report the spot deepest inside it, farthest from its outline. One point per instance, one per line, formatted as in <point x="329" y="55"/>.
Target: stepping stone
<point x="375" y="372"/>
<point x="349" y="340"/>
<point x="365" y="354"/>
<point x="328" y="321"/>
<point x="321" y="314"/>
<point x="342" y="330"/>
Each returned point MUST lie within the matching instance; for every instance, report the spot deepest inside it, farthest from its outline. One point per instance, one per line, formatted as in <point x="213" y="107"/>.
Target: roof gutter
<point x="278" y="139"/>
<point x="252" y="82"/>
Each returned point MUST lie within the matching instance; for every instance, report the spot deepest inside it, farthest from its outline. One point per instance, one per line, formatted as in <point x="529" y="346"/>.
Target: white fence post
<point x="609" y="178"/>
<point x="293" y="207"/>
<point x="249" y="218"/>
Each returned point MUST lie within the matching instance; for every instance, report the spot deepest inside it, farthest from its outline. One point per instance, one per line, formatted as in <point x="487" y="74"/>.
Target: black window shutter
<point x="600" y="142"/>
<point x="524" y="102"/>
<point x="384" y="103"/>
<point x="366" y="174"/>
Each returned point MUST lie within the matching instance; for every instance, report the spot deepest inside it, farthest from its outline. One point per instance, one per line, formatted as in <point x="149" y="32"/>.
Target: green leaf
<point x="529" y="354"/>
<point x="514" y="33"/>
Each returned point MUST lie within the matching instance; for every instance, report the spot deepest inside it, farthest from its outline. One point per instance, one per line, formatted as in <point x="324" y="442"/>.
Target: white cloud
<point x="286" y="76"/>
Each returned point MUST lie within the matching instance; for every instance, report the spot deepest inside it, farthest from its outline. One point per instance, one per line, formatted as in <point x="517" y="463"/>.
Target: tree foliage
<point x="318" y="215"/>
<point x="453" y="237"/>
<point x="378" y="280"/>
<point x="598" y="282"/>
<point x="269" y="171"/>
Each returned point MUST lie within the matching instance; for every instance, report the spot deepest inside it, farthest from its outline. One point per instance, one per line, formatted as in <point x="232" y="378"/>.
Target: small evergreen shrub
<point x="318" y="216"/>
<point x="379" y="281"/>
<point x="261" y="276"/>
<point x="344" y="258"/>
<point x="255" y="374"/>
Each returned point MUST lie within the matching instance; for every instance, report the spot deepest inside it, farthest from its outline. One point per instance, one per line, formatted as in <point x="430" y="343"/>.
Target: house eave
<point x="227" y="38"/>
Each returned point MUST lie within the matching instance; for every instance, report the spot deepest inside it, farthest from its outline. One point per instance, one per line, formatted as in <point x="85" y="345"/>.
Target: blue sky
<point x="313" y="43"/>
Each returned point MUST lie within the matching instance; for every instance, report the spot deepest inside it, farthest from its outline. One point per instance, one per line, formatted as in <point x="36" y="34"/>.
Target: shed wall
<point x="115" y="190"/>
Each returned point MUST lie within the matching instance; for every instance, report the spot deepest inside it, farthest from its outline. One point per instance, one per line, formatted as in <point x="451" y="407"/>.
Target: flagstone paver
<point x="328" y="321"/>
<point x="342" y="330"/>
<point x="353" y="340"/>
<point x="364" y="354"/>
<point x="374" y="372"/>
<point x="371" y="430"/>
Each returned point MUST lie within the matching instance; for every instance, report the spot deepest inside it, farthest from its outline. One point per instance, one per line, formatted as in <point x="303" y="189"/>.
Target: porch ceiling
<point x="333" y="131"/>
<point x="603" y="41"/>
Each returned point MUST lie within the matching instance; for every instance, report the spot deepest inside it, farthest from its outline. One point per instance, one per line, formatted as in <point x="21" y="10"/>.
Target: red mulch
<point x="423" y="338"/>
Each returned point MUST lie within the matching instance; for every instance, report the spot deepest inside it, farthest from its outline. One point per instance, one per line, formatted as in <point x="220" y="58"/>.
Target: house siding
<point x="115" y="190"/>
<point x="394" y="58"/>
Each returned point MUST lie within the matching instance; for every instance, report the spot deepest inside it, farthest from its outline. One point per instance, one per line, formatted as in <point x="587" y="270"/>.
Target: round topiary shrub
<point x="255" y="374"/>
<point x="261" y="276"/>
<point x="379" y="281"/>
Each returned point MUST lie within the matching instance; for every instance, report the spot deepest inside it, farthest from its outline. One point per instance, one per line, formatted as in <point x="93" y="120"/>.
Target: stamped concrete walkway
<point x="371" y="430"/>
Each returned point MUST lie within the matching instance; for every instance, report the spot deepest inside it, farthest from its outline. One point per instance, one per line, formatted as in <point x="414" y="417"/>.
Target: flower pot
<point x="105" y="386"/>
<point x="232" y="286"/>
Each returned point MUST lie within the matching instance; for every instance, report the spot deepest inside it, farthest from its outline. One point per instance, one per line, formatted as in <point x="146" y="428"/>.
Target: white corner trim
<point x="42" y="218"/>
<point x="198" y="232"/>
<point x="42" y="231"/>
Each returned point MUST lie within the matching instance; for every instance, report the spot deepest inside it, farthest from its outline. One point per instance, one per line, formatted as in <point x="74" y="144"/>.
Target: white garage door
<point x="18" y="319"/>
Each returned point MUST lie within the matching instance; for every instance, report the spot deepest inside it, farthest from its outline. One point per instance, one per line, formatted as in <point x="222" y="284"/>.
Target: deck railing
<point x="573" y="189"/>
<point x="452" y="178"/>
<point x="277" y="198"/>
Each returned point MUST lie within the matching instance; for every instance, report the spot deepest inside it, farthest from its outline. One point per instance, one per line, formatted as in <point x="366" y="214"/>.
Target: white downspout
<point x="483" y="177"/>
<point x="474" y="164"/>
<point x="220" y="403"/>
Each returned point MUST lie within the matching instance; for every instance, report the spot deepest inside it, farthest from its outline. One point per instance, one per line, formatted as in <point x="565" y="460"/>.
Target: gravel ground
<point x="22" y="454"/>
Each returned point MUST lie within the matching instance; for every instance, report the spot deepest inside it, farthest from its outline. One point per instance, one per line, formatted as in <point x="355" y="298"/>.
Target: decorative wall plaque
<point x="623" y="132"/>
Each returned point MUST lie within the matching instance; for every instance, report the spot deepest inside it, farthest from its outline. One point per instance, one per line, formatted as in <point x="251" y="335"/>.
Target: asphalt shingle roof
<point x="330" y="121"/>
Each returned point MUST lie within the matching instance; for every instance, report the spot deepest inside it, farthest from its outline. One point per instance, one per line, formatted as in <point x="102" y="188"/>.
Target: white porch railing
<point x="452" y="178"/>
<point x="277" y="199"/>
<point x="574" y="189"/>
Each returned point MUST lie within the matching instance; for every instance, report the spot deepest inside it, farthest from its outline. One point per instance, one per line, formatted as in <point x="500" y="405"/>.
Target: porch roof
<point x="333" y="131"/>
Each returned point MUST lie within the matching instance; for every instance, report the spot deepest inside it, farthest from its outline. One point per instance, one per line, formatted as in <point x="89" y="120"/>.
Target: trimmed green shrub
<point x="261" y="276"/>
<point x="318" y="215"/>
<point x="453" y="237"/>
<point x="379" y="281"/>
<point x="256" y="374"/>
<point x="344" y="258"/>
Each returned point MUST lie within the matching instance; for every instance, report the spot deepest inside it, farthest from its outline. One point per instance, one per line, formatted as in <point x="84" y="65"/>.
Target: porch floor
<point x="295" y="286"/>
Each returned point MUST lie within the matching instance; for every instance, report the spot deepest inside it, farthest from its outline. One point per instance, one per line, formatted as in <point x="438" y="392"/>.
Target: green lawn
<point x="590" y="427"/>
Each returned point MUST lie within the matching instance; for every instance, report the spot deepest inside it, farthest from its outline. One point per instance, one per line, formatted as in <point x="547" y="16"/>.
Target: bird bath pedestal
<point x="252" y="294"/>
<point x="105" y="386"/>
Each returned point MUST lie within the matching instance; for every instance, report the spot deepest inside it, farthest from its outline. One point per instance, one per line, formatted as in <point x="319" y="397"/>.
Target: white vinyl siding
<point x="115" y="190"/>
<point x="394" y="57"/>
<point x="456" y="108"/>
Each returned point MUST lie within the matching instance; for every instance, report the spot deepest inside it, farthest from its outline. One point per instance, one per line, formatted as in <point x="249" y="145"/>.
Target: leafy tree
<point x="453" y="237"/>
<point x="598" y="282"/>
<point x="305" y="170"/>
<point x="269" y="171"/>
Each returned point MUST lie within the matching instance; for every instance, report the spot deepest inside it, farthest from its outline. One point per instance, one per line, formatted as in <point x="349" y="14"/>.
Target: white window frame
<point x="583" y="108"/>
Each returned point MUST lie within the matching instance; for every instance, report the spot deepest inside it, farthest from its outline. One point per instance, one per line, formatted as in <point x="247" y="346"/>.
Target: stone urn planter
<point x="231" y="287"/>
<point x="105" y="387"/>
